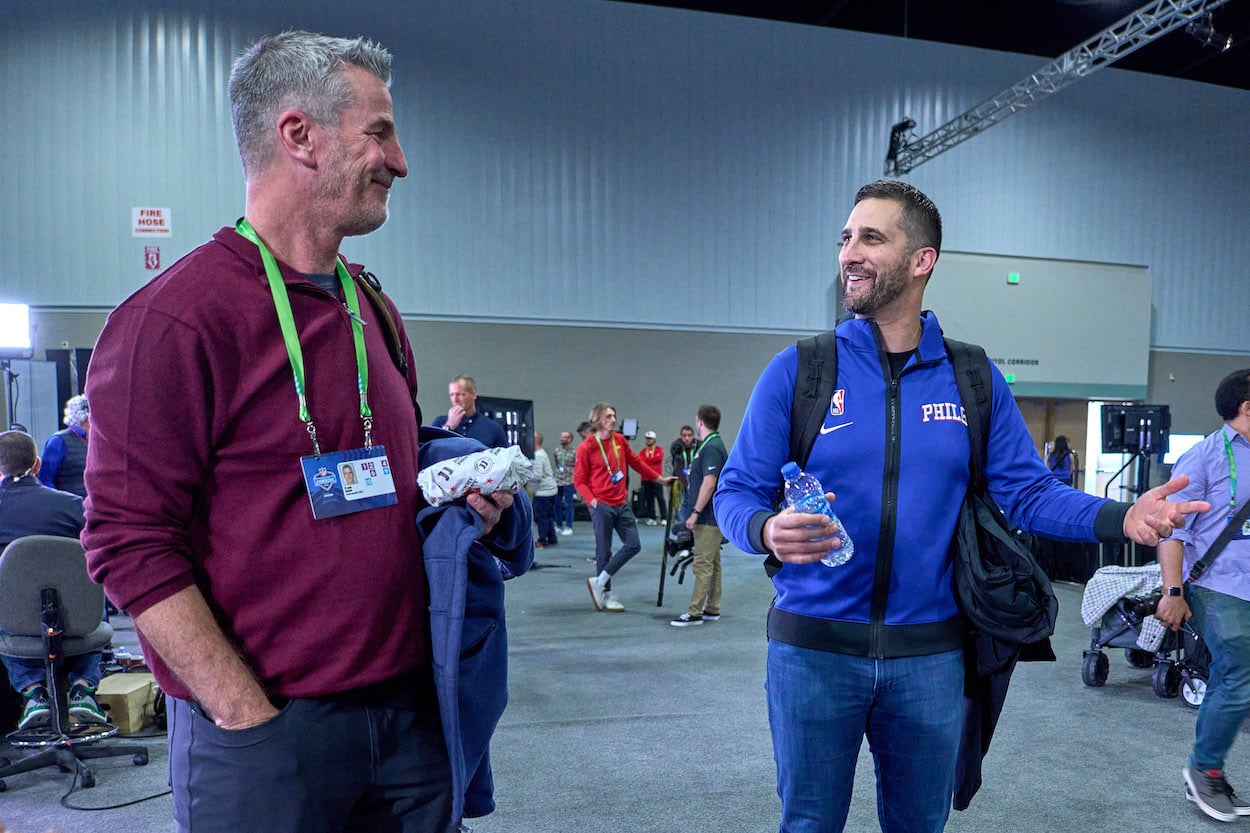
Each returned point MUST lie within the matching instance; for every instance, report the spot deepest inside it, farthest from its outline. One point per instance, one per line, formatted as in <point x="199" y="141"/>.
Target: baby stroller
<point x="1180" y="659"/>
<point x="1188" y="672"/>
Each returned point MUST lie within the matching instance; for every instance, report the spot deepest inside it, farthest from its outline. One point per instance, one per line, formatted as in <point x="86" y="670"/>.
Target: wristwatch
<point x="1174" y="590"/>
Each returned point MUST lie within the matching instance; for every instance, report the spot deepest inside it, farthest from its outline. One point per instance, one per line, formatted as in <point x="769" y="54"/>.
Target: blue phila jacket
<point x="467" y="633"/>
<point x="895" y="453"/>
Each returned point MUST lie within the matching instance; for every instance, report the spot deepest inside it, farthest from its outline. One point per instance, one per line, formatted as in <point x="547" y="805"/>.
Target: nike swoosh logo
<point x="830" y="429"/>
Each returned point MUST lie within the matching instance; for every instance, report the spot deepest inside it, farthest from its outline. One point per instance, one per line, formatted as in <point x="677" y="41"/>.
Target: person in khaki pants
<point x="709" y="458"/>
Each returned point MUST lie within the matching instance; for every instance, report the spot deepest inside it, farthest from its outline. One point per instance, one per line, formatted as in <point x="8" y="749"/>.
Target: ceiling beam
<point x="1127" y="35"/>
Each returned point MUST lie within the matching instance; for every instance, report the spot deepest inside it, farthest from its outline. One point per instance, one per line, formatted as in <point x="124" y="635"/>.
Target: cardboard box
<point x="128" y="700"/>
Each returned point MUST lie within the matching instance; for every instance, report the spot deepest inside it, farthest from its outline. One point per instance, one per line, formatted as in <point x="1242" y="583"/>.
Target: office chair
<point x="50" y="608"/>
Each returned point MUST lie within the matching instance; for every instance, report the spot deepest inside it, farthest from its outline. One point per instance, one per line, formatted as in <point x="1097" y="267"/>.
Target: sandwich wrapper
<point x="490" y="470"/>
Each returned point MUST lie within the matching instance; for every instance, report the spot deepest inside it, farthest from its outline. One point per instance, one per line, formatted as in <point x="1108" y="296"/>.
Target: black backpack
<point x="998" y="583"/>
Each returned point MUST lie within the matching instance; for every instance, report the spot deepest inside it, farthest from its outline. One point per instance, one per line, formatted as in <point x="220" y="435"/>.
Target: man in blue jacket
<point x="465" y="419"/>
<point x="875" y="647"/>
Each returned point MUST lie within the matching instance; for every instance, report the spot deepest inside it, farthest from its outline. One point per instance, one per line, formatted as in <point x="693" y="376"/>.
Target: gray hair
<point x="77" y="411"/>
<point x="294" y="70"/>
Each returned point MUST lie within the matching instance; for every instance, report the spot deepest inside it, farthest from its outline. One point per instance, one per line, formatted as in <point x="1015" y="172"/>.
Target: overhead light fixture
<point x="898" y="138"/>
<point x="1203" y="30"/>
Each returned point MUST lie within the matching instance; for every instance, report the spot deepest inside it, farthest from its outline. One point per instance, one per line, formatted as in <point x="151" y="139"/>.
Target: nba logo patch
<point x="836" y="402"/>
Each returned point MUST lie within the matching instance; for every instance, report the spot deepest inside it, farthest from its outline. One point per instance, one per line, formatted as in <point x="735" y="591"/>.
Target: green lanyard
<point x="1232" y="476"/>
<point x="286" y="320"/>
<point x="615" y="453"/>
<point x="706" y="440"/>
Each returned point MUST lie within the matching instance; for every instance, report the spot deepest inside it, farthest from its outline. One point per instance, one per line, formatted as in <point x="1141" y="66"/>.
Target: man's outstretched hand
<point x="1152" y="516"/>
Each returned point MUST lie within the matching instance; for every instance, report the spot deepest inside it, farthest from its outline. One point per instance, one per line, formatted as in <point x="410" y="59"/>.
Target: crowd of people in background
<point x="597" y="471"/>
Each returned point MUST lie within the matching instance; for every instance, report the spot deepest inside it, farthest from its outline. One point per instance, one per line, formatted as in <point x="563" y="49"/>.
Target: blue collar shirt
<point x="1211" y="479"/>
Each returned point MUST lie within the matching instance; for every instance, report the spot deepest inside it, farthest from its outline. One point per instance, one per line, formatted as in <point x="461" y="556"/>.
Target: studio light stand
<point x="1141" y="431"/>
<point x="14" y="344"/>
<point x="10" y="388"/>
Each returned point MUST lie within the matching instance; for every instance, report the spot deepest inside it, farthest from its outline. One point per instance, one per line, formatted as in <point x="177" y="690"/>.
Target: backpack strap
<point x="813" y="389"/>
<point x="972" y="375"/>
<point x="368" y="283"/>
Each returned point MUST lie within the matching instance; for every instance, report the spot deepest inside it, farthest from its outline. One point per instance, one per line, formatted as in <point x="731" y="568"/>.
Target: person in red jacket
<point x="599" y="477"/>
<point x="652" y="493"/>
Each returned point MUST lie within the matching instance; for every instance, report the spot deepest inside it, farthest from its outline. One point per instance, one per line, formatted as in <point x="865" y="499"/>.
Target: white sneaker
<point x="611" y="604"/>
<point x="568" y="530"/>
<point x="597" y="592"/>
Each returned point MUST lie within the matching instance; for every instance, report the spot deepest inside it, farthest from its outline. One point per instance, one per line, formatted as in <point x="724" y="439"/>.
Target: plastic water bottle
<point x="807" y="496"/>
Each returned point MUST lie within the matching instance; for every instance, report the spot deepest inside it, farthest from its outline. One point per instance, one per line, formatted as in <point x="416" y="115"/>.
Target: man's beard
<point x="366" y="215"/>
<point x="886" y="287"/>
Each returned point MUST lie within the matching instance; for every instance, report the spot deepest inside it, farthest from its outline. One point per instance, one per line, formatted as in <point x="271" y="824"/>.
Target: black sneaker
<point x="1213" y="795"/>
<point x="710" y="617"/>
<point x="685" y="620"/>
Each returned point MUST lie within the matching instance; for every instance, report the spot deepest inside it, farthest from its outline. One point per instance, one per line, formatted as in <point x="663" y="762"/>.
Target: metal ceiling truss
<point x="1148" y="23"/>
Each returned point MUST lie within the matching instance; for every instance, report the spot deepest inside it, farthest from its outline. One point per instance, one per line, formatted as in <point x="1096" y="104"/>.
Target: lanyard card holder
<point x="343" y="482"/>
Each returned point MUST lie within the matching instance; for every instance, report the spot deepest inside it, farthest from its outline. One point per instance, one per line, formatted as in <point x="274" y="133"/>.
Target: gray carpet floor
<point x="619" y="722"/>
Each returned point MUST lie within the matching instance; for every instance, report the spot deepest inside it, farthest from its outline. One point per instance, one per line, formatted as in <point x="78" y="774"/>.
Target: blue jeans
<point x="564" y="506"/>
<point x="1224" y="622"/>
<point x="821" y="706"/>
<point x="619" y="519"/>
<point x="24" y="673"/>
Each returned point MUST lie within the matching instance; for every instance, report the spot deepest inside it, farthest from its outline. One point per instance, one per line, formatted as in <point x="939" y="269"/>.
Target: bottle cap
<point x="790" y="470"/>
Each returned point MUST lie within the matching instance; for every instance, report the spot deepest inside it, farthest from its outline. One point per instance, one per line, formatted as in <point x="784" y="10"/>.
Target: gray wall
<point x="1186" y="383"/>
<point x="658" y="376"/>
<point x="581" y="163"/>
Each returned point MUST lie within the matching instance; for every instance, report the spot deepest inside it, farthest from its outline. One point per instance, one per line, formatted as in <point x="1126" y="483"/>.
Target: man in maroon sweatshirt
<point x="283" y="611"/>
